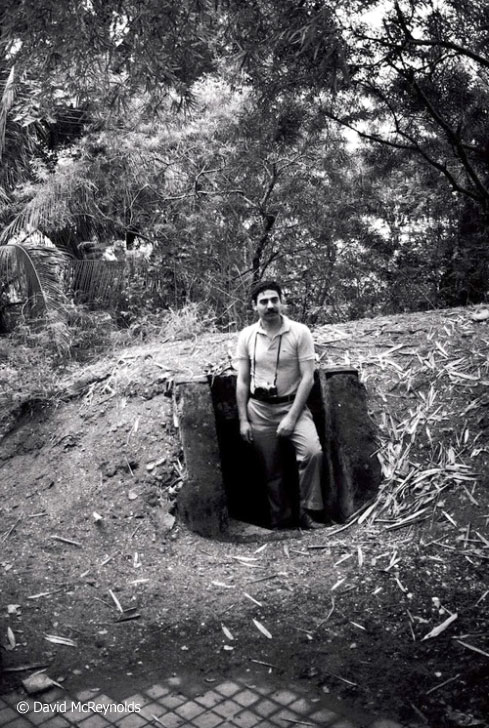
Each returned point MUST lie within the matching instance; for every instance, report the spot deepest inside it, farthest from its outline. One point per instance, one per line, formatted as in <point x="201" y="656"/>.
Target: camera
<point x="265" y="392"/>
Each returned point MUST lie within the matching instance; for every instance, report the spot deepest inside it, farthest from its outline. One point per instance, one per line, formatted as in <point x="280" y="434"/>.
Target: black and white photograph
<point x="244" y="363"/>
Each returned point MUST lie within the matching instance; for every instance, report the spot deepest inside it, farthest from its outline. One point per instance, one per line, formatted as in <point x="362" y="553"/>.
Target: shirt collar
<point x="285" y="327"/>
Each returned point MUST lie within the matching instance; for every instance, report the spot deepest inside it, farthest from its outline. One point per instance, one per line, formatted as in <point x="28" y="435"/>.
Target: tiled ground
<point x="171" y="704"/>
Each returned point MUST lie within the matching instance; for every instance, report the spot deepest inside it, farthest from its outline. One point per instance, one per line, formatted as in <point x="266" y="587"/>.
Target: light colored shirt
<point x="295" y="342"/>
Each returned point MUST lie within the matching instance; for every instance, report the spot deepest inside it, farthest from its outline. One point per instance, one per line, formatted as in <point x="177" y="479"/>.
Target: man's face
<point x="268" y="306"/>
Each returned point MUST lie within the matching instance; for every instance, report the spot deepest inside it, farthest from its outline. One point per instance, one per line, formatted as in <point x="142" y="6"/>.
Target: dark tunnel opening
<point x="224" y="483"/>
<point x="241" y="469"/>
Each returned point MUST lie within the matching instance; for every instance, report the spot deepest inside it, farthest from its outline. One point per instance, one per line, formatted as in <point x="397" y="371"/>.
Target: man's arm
<point x="287" y="424"/>
<point x="242" y="395"/>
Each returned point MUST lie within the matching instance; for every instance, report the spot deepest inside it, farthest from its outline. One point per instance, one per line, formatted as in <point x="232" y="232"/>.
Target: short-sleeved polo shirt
<point x="290" y="345"/>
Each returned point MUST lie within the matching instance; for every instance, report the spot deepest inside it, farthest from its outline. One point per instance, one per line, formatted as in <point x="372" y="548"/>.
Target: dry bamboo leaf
<point x="475" y="649"/>
<point x="449" y="518"/>
<point x="252" y="599"/>
<point x="359" y="626"/>
<point x="116" y="601"/>
<point x="461" y="375"/>
<point x="440" y="685"/>
<point x="222" y="584"/>
<point x="332" y="533"/>
<point x="55" y="639"/>
<point x="11" y="638"/>
<point x="328" y="614"/>
<point x="66" y="540"/>
<point x="360" y="556"/>
<point x="227" y="632"/>
<point x="338" y="583"/>
<point x="482" y="538"/>
<point x="10" y="530"/>
<point x="392" y="563"/>
<point x="267" y="578"/>
<point x="366" y="513"/>
<point x="481" y="598"/>
<point x="22" y="668"/>
<point x="128" y="614"/>
<point x="106" y="560"/>
<point x="343" y="558"/>
<point x="440" y="348"/>
<point x="460" y="476"/>
<point x="260" y="662"/>
<point x="244" y="558"/>
<point x="408" y="520"/>
<point x="250" y="565"/>
<point x="39" y="595"/>
<point x="441" y="627"/>
<point x="262" y="629"/>
<point x="401" y="586"/>
<point x="392" y="349"/>
<point x="343" y="679"/>
<point x="426" y="474"/>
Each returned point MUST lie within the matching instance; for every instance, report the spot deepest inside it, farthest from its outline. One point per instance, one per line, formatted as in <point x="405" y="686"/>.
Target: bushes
<point x="36" y="355"/>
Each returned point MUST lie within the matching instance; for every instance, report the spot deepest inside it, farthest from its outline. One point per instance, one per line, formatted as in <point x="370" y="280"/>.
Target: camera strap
<point x="253" y="361"/>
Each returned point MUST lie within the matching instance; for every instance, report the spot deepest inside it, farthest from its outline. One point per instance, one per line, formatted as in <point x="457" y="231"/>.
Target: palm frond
<point x="56" y="204"/>
<point x="33" y="274"/>
<point x="6" y="104"/>
<point x="21" y="129"/>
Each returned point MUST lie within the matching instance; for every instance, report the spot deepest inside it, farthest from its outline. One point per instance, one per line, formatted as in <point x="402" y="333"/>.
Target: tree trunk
<point x="268" y="223"/>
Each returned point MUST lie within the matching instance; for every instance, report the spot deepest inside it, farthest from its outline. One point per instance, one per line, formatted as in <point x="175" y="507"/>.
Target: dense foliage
<point x="204" y="144"/>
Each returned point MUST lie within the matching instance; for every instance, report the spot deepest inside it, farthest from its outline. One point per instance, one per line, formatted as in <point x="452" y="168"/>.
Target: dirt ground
<point x="91" y="550"/>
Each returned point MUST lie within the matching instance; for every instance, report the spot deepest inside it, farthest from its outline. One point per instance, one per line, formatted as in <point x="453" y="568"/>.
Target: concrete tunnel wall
<point x="223" y="475"/>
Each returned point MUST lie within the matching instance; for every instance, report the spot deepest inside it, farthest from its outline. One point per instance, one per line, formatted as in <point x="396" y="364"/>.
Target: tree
<point x="99" y="52"/>
<point x="254" y="176"/>
<point x="419" y="83"/>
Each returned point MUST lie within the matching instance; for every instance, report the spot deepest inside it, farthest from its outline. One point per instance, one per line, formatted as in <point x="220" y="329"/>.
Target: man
<point x="275" y="362"/>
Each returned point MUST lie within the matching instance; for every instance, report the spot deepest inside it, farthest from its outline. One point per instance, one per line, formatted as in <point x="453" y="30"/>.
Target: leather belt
<point x="274" y="400"/>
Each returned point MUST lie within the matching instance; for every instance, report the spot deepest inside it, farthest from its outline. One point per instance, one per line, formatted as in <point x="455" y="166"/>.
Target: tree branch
<point x="453" y="138"/>
<point x="413" y="147"/>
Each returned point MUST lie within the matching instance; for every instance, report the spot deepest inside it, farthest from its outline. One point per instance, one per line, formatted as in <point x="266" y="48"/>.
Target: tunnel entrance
<point x="242" y="474"/>
<point x="225" y="481"/>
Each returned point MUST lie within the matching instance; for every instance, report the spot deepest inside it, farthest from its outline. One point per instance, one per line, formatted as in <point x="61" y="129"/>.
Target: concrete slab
<point x="202" y="500"/>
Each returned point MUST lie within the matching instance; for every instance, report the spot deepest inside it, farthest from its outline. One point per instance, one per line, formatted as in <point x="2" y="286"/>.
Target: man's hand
<point x="246" y="431"/>
<point x="286" y="426"/>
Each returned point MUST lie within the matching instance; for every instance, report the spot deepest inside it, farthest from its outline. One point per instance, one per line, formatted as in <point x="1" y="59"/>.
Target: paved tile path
<point x="172" y="703"/>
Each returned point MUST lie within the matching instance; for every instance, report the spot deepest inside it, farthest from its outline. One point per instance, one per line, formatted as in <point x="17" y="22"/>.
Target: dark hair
<point x="265" y="286"/>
